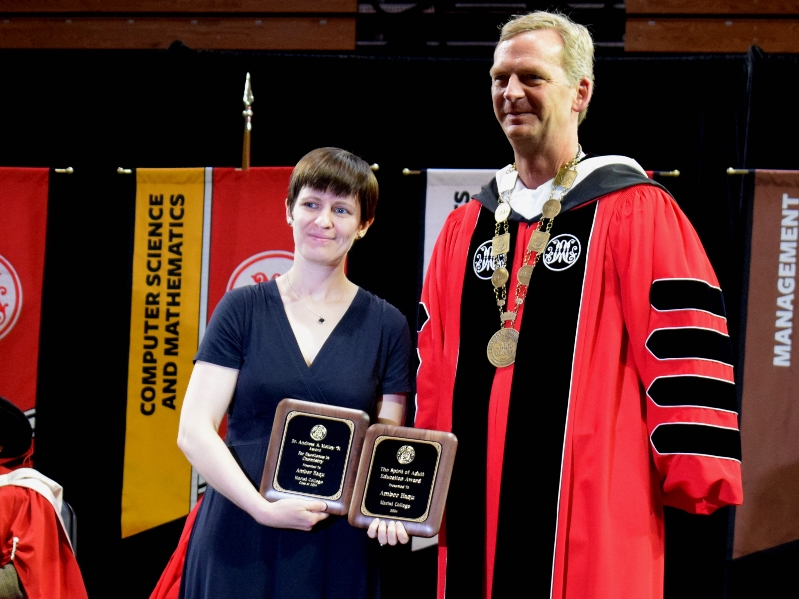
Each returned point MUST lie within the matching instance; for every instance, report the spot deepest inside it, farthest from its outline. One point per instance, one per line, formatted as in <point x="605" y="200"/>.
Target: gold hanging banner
<point x="163" y="340"/>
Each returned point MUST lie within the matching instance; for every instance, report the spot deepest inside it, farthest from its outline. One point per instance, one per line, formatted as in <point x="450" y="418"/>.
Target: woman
<point x="309" y="334"/>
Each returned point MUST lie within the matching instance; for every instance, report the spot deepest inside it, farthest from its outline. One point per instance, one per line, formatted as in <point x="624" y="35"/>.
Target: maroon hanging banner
<point x="23" y="223"/>
<point x="769" y="515"/>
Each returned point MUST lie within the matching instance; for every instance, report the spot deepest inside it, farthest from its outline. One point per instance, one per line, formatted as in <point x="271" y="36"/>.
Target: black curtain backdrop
<point x="99" y="110"/>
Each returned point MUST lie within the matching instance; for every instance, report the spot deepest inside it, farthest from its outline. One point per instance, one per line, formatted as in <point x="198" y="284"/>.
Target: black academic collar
<point x="602" y="181"/>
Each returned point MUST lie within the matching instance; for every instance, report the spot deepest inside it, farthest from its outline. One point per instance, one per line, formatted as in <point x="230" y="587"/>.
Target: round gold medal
<point x="500" y="277"/>
<point x="502" y="212"/>
<point x="551" y="209"/>
<point x="502" y="347"/>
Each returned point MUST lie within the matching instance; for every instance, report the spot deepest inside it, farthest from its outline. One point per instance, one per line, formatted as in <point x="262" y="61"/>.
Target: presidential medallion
<point x="502" y="347"/>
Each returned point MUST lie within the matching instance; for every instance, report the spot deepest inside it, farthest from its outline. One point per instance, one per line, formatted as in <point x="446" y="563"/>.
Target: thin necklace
<point x="321" y="318"/>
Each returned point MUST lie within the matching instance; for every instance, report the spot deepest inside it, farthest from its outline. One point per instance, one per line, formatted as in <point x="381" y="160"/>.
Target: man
<point x="586" y="370"/>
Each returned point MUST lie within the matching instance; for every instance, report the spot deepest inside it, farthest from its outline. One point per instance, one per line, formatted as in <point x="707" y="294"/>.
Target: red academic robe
<point x="168" y="586"/>
<point x="44" y="560"/>
<point x="621" y="399"/>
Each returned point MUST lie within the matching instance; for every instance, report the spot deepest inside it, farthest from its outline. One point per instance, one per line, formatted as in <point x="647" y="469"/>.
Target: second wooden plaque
<point x="404" y="475"/>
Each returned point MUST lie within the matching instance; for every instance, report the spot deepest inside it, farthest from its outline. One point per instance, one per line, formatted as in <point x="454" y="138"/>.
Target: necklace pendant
<point x="502" y="347"/>
<point x="321" y="320"/>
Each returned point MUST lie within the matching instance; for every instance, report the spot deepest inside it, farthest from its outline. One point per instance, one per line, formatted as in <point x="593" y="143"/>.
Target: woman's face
<point x="325" y="225"/>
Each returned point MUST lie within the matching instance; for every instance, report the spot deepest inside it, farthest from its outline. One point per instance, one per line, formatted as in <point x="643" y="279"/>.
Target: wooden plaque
<point x="403" y="475"/>
<point x="313" y="453"/>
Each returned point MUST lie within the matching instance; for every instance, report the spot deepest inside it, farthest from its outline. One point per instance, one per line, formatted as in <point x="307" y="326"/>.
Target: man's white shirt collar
<point x="529" y="202"/>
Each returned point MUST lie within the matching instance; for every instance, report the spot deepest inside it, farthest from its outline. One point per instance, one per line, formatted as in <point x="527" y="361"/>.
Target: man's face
<point x="533" y="101"/>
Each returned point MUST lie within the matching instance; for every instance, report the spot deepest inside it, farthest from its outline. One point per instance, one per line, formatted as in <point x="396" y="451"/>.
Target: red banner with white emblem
<point x="23" y="222"/>
<point x="250" y="239"/>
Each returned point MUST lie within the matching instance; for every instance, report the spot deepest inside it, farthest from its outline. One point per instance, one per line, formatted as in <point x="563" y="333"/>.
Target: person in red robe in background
<point x="36" y="557"/>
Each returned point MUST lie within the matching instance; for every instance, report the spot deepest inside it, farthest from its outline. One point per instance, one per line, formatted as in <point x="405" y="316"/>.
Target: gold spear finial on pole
<point x="247" y="114"/>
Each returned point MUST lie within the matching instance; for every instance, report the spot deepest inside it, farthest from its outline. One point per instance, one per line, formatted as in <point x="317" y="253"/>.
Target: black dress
<point x="366" y="355"/>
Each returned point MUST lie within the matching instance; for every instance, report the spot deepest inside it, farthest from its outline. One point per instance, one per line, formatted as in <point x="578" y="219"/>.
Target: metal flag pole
<point x="247" y="114"/>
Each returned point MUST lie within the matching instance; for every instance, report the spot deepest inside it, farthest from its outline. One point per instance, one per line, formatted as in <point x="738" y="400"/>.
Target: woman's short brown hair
<point x="338" y="172"/>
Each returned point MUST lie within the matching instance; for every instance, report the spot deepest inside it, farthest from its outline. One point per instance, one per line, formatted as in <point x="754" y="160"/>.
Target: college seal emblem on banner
<point x="261" y="267"/>
<point x="10" y="297"/>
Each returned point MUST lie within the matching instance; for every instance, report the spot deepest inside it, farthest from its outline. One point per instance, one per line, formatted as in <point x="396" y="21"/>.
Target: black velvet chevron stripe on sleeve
<point x="690" y="343"/>
<point x="695" y="391"/>
<point x="686" y="294"/>
<point x="697" y="439"/>
<point x="422" y="316"/>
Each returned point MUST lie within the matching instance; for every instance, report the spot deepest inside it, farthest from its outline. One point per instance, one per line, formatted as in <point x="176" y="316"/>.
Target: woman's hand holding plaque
<point x="298" y="514"/>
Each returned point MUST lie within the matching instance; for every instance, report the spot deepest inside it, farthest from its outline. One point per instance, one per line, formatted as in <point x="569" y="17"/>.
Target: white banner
<point x="448" y="189"/>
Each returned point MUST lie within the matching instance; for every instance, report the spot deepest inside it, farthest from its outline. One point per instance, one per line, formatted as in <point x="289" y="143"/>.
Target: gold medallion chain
<point x="502" y="346"/>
